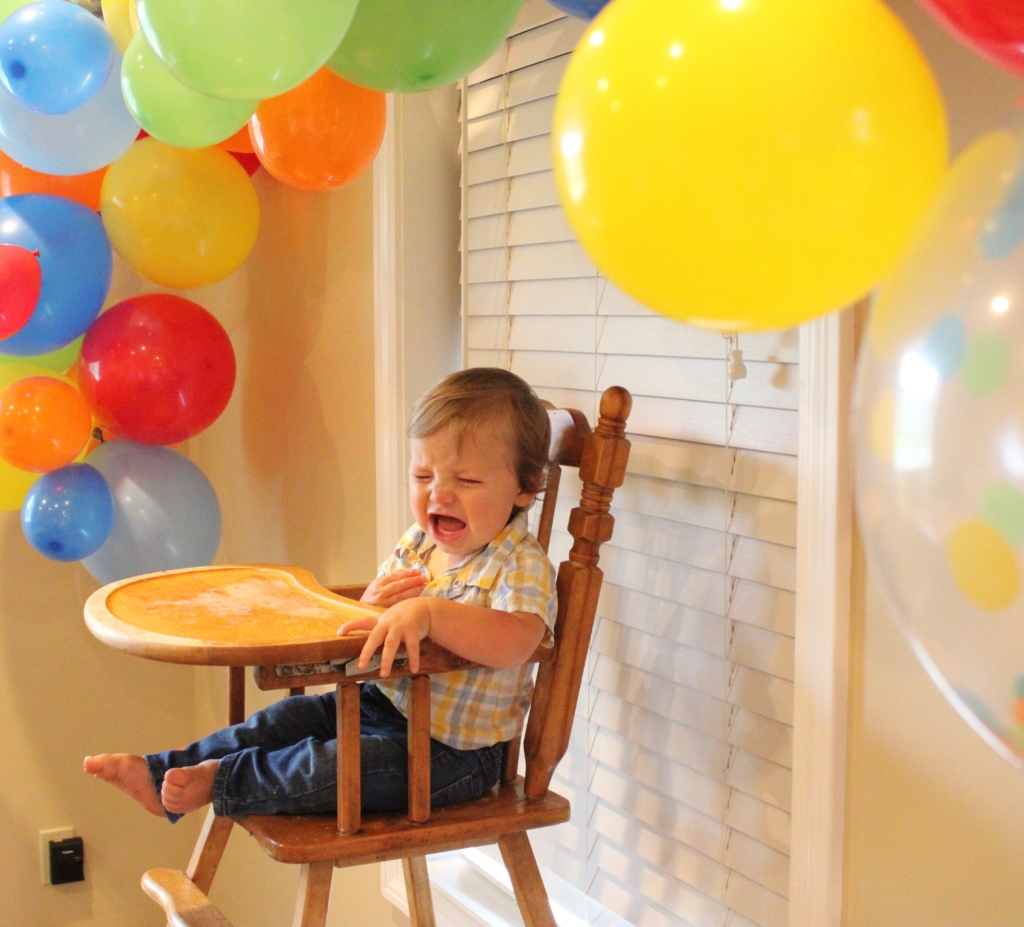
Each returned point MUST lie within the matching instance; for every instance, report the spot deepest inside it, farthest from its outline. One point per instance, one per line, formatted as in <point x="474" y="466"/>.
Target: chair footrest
<point x="315" y="838"/>
<point x="183" y="903"/>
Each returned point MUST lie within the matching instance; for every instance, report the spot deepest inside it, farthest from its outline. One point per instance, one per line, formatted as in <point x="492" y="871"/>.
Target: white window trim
<point x="824" y="523"/>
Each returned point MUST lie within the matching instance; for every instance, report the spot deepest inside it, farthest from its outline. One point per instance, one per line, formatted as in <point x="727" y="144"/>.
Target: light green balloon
<point x="244" y="49"/>
<point x="171" y="112"/>
<point x="9" y="6"/>
<point x="59" y="361"/>
<point x="1002" y="506"/>
<point x="986" y="364"/>
<point x="408" y="45"/>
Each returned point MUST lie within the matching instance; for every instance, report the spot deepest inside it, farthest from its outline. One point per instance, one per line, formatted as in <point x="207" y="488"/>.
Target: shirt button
<point x="457" y="583"/>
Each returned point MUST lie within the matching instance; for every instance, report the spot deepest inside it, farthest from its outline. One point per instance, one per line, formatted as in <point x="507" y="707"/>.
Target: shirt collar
<point x="483" y="567"/>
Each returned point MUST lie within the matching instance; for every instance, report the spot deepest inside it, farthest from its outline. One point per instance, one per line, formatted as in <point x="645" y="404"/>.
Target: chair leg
<point x="213" y="838"/>
<point x="526" y="881"/>
<point x="314" y="895"/>
<point x="417" y="890"/>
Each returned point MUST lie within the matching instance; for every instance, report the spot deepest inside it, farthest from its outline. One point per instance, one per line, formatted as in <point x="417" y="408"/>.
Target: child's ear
<point x="524" y="499"/>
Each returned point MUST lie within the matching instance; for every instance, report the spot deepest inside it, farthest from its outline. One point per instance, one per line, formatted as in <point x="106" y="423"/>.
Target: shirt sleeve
<point x="526" y="583"/>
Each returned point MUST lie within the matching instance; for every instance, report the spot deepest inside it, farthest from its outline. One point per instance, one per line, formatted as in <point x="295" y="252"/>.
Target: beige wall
<point x="292" y="460"/>
<point x="935" y="820"/>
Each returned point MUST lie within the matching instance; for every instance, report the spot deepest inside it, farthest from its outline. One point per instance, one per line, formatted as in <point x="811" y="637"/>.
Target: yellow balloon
<point x="983" y="565"/>
<point x="743" y="164"/>
<point x="15" y="483"/>
<point x="181" y="218"/>
<point x="119" y="15"/>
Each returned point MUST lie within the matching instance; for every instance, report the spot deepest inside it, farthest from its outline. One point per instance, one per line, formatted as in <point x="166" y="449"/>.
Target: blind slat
<point x="703" y="873"/>
<point x="704" y="379"/>
<point x="760" y="904"/>
<point x="761" y="736"/>
<point x="756" y="776"/>
<point x="693" y="668"/>
<point x="762" y="650"/>
<point x="763" y="562"/>
<point x="762" y="693"/>
<point x="666" y="620"/>
<point x="757" y="819"/>
<point x="700" y="752"/>
<point x="649" y="882"/>
<point x="759" y="862"/>
<point x="630" y="904"/>
<point x="547" y="41"/>
<point x="536" y="81"/>
<point x="537" y="226"/>
<point x="686" y="706"/>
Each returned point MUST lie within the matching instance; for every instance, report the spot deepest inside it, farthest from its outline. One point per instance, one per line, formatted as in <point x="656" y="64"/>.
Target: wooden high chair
<point x="503" y="816"/>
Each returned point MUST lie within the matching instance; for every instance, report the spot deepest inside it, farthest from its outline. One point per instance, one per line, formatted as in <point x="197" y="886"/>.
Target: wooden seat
<point x="320" y="842"/>
<point x="315" y="838"/>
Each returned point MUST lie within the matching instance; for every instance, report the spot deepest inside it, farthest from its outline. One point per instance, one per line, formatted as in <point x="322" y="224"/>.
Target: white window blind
<point x="679" y="771"/>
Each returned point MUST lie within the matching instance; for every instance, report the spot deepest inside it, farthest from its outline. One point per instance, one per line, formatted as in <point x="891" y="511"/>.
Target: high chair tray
<point x="238" y="615"/>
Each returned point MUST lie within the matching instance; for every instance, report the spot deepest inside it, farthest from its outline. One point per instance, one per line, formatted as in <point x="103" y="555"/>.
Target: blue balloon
<point x="68" y="514"/>
<point x="946" y="345"/>
<point x="54" y="56"/>
<point x="166" y="514"/>
<point x="77" y="266"/>
<point x="86" y="139"/>
<point x="584" y="9"/>
<point x="1005" y="230"/>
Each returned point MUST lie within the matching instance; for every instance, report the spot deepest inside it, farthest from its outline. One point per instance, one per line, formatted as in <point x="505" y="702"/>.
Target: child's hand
<point x="407" y="623"/>
<point x="394" y="587"/>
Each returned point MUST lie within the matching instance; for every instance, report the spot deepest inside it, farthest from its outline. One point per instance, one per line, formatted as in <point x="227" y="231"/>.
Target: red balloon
<point x="248" y="160"/>
<point x="993" y="27"/>
<point x="20" y="281"/>
<point x="156" y="369"/>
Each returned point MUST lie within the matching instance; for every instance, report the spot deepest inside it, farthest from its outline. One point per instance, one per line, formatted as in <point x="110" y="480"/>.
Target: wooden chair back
<point x="601" y="457"/>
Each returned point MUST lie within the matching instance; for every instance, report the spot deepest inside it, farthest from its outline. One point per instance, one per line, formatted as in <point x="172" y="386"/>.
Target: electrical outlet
<point x="45" y="836"/>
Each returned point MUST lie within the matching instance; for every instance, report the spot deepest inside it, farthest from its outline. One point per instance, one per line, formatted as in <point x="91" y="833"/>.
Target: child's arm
<point x="483" y="635"/>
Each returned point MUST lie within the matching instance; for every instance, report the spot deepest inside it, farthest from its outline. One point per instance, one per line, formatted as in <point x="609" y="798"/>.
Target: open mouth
<point x="445" y="527"/>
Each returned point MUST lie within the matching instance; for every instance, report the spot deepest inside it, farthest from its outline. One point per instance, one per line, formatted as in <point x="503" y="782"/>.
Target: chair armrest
<point x="353" y="591"/>
<point x="183" y="903"/>
<point x="434" y="659"/>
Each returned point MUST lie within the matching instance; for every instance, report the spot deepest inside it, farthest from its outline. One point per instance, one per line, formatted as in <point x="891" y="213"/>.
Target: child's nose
<point x="442" y="492"/>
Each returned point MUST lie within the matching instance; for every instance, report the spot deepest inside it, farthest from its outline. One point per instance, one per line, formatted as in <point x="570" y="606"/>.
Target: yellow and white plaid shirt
<point x="479" y="707"/>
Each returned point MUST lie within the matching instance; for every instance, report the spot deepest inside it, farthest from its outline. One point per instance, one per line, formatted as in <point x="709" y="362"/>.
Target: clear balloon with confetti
<point x="939" y="432"/>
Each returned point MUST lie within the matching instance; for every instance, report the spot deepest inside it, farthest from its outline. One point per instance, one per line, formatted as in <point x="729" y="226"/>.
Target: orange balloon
<point x="83" y="188"/>
<point x="44" y="424"/>
<point x="320" y="135"/>
<point x="240" y="143"/>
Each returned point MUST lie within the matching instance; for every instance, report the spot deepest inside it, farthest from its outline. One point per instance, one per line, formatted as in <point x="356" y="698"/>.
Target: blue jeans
<point x="284" y="760"/>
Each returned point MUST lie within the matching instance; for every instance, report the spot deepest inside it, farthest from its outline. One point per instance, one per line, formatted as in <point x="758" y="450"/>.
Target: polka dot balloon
<point x="939" y="431"/>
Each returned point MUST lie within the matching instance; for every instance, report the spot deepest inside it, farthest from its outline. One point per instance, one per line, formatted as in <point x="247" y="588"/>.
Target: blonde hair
<point x="479" y="396"/>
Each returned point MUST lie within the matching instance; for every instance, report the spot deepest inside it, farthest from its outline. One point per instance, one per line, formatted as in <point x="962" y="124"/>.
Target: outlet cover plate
<point x="45" y="836"/>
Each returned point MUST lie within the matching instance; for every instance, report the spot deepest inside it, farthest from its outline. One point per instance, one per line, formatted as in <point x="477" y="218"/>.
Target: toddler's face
<point x="463" y="496"/>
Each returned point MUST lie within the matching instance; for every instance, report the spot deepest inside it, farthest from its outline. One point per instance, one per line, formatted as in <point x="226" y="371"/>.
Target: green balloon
<point x="408" y="45"/>
<point x="244" y="49"/>
<point x="9" y="6"/>
<point x="986" y="364"/>
<point x="1002" y="506"/>
<point x="59" y="361"/>
<point x="171" y="112"/>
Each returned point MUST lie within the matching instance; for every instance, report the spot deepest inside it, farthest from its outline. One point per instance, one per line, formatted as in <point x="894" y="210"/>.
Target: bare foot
<point x="189" y="787"/>
<point x="130" y="774"/>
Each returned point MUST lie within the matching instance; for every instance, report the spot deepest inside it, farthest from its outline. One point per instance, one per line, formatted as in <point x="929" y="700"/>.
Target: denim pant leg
<point x="283" y="760"/>
<point x="455" y="775"/>
<point x="281" y="725"/>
